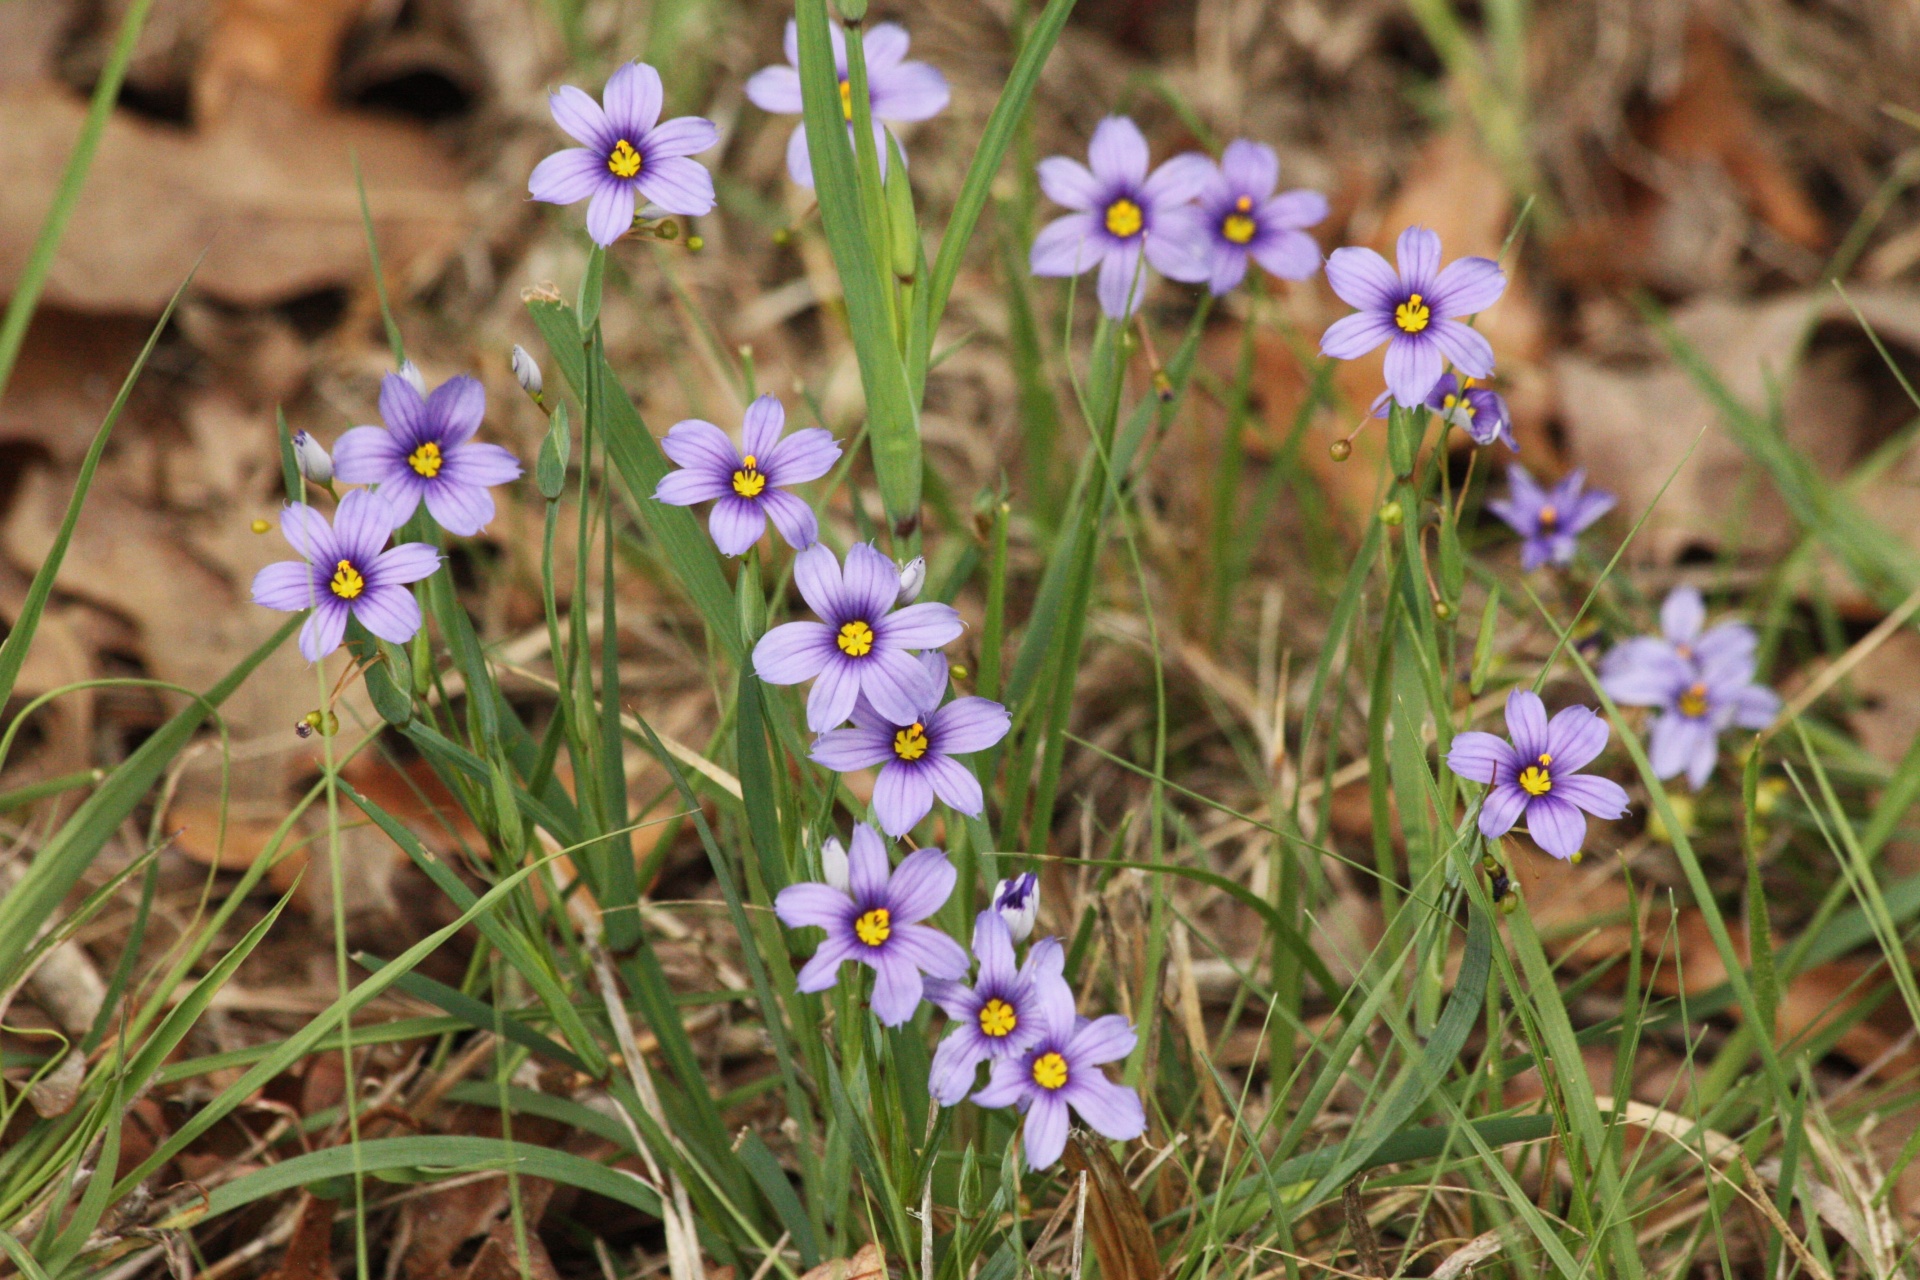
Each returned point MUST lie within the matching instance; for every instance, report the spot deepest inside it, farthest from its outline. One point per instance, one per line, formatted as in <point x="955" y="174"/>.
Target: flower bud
<point x="1340" y="450"/>
<point x="913" y="576"/>
<point x="526" y="371"/>
<point x="1392" y="514"/>
<point x="315" y="465"/>
<point x="1018" y="902"/>
<point x="833" y="864"/>
<point x="416" y="379"/>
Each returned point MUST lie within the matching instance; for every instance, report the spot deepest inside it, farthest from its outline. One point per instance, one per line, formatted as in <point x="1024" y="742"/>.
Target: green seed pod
<point x="1392" y="514"/>
<point x="1340" y="450"/>
<point x="421" y="660"/>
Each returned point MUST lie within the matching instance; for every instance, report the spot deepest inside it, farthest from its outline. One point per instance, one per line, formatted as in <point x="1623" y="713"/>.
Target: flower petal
<point x="1502" y="808"/>
<point x="954" y="783"/>
<point x="1069" y="183"/>
<point x="1288" y="254"/>
<point x="1111" y="1110"/>
<point x="1066" y="247"/>
<point x="792" y="652"/>
<point x="799" y="165"/>
<point x="805" y="455"/>
<point x="610" y="212"/>
<point x="816" y="571"/>
<point x="968" y="724"/>
<point x="760" y="429"/>
<point x="867" y="868"/>
<point x="455" y="410"/>
<point x="1755" y="706"/>
<point x="1106" y="1039"/>
<point x="897" y="986"/>
<point x="955" y="1063"/>
<point x="1643" y="672"/>
<point x="408" y="562"/>
<point x="1575" y="737"/>
<point x="1179" y="179"/>
<point x="479" y="464"/>
<point x="1413" y="366"/>
<point x="895" y="683"/>
<point x="834" y="692"/>
<point x="1556" y="826"/>
<point x="1118" y="151"/>
<point x="325" y="628"/>
<point x="902" y="795"/>
<point x="1418" y="255"/>
<point x="736" y="525"/>
<point x="567" y="177"/>
<point x="1007" y="1083"/>
<point x="812" y="905"/>
<point x="682" y="136"/>
<point x="460" y="509"/>
<point x="390" y="612"/>
<point x="1683" y="614"/>
<point x="927" y="625"/>
<point x="678" y="185"/>
<point x="1467" y="286"/>
<point x="1297" y="208"/>
<point x="792" y="517"/>
<point x="1045" y="1135"/>
<point x="1351" y="337"/>
<point x="1601" y="797"/>
<point x="1675" y="741"/>
<point x="633" y="96"/>
<point x="930" y="951"/>
<point x="685" y="487"/>
<point x="869" y="584"/>
<point x="575" y="111"/>
<point x="1123" y="284"/>
<point x="921" y="885"/>
<point x="847" y="749"/>
<point x="1228" y="270"/>
<point x="361" y="525"/>
<point x="993" y="947"/>
<point x="1468" y="348"/>
<point x="911" y="91"/>
<point x="287" y="585"/>
<point x="823" y="970"/>
<point x="1362" y="278"/>
<point x="775" y="90"/>
<point x="1250" y="168"/>
<point x="1177" y="247"/>
<point x="367" y="455"/>
<point x="1527" y="723"/>
<point x="1478" y="755"/>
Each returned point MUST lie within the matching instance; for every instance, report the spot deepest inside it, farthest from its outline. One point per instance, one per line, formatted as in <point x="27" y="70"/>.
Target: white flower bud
<point x="411" y="372"/>
<point x="913" y="576"/>
<point x="526" y="371"/>
<point x="833" y="864"/>
<point x="315" y="465"/>
<point x="1018" y="902"/>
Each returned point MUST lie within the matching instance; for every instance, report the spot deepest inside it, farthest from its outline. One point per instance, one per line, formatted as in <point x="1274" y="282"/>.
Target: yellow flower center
<point x="426" y="460"/>
<point x="1238" y="228"/>
<point x="1694" y="701"/>
<point x="625" y="161"/>
<point x="1534" y="779"/>
<point x="875" y="927"/>
<point x="911" y="742"/>
<point x="1412" y="315"/>
<point x="1124" y="218"/>
<point x="347" y="582"/>
<point x="1549" y="516"/>
<point x="846" y="100"/>
<point x="855" y="639"/>
<point x="1050" y="1071"/>
<point x="997" y="1018"/>
<point x="747" y="481"/>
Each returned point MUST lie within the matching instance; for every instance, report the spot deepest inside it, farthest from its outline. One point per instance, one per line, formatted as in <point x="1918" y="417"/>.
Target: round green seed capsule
<point x="1391" y="514"/>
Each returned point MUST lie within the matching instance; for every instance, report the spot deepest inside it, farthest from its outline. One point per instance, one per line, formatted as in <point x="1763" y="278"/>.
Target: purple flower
<point x="427" y="450"/>
<point x="898" y="91"/>
<point x="1018" y="902"/>
<point x="342" y="570"/>
<point x="916" y="755"/>
<point x="1243" y="219"/>
<point x="876" y="922"/>
<point x="1120" y="212"/>
<point x="861" y="645"/>
<point x="1481" y="413"/>
<point x="626" y="154"/>
<point x="749" y="483"/>
<point x="999" y="1015"/>
<point x="1062" y="1070"/>
<point x="1538" y="777"/>
<point x="1549" y="520"/>
<point x="1414" y="311"/>
<point x="1701" y="680"/>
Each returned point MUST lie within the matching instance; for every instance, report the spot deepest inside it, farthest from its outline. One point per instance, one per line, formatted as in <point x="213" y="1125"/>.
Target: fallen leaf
<point x="1116" y="1220"/>
<point x="309" y="1254"/>
<point x="868" y="1263"/>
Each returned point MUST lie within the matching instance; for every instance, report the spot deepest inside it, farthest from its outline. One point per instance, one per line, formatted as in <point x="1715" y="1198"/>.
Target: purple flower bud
<point x="526" y="371"/>
<point x="833" y="863"/>
<point x="314" y="462"/>
<point x="1018" y="902"/>
<point x="913" y="576"/>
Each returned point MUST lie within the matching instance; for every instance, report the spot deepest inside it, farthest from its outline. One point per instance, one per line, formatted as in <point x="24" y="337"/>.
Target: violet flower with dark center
<point x="916" y="757"/>
<point x="1414" y="310"/>
<point x="898" y="91"/>
<point x="748" y="485"/>
<point x="1537" y="776"/>
<point x="876" y="922"/>
<point x="1479" y="412"/>
<point x="861" y="645"/>
<point x="999" y="1015"/>
<point x="1121" y="212"/>
<point x="1549" y="520"/>
<point x="627" y="154"/>
<point x="1700" y="678"/>
<point x="1062" y="1071"/>
<point x="427" y="452"/>
<point x="342" y="571"/>
<point x="1243" y="218"/>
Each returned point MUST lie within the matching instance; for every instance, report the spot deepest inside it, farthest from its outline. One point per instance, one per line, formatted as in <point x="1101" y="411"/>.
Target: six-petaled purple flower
<point x="1414" y="310"/>
<point x="1121" y="212"/>
<point x="748" y="485"/>
<point x="1549" y="520"/>
<point x="861" y="645"/>
<point x="626" y="154"/>
<point x="898" y="91"/>
<point x="1061" y="1071"/>
<point x="1700" y="678"/>
<point x="876" y="922"/>
<point x="999" y="1016"/>
<point x="1537" y="776"/>
<point x="916" y="756"/>
<point x="1478" y="411"/>
<point x="427" y="451"/>
<point x="343" y="571"/>
<point x="1243" y="218"/>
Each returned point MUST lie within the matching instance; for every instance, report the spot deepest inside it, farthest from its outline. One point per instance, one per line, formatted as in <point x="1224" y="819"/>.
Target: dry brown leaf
<point x="868" y="1263"/>
<point x="1116" y="1220"/>
<point x="309" y="1254"/>
<point x="290" y="47"/>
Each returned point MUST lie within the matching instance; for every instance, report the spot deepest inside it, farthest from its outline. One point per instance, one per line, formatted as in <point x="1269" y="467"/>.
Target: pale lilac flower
<point x="999" y="1015"/>
<point x="1061" y="1071"/>
<point x="627" y="154"/>
<point x="1538" y="775"/>
<point x="876" y="922"/>
<point x="1479" y="412"/>
<point x="526" y="372"/>
<point x="342" y="571"/>
<point x="1120" y="212"/>
<point x="1414" y="310"/>
<point x="750" y="483"/>
<point x="898" y="91"/>
<point x="861" y="645"/>
<point x="311" y="457"/>
<point x="427" y="451"/>
<point x="1549" y="520"/>
<point x="1701" y="679"/>
<point x="1018" y="902"/>
<point x="1243" y="218"/>
<point x="916" y="756"/>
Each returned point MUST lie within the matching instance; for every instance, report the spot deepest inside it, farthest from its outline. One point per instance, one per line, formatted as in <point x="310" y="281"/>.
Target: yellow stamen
<point x="875" y="927"/>
<point x="1244" y="203"/>
<point x="1549" y="516"/>
<point x="747" y="481"/>
<point x="855" y="639"/>
<point x="1238" y="228"/>
<point x="1050" y="1071"/>
<point x="625" y="161"/>
<point x="911" y="742"/>
<point x="1693" y="702"/>
<point x="347" y="582"/>
<point x="997" y="1018"/>
<point x="1412" y="315"/>
<point x="426" y="460"/>
<point x="846" y="100"/>
<point x="1124" y="218"/>
<point x="1534" y="779"/>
